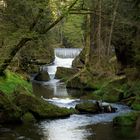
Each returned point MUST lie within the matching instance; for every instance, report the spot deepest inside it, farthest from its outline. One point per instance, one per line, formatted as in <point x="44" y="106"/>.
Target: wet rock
<point x="39" y="108"/>
<point x="65" y="73"/>
<point x="97" y="107"/>
<point x="83" y="80"/>
<point x="9" y="112"/>
<point x="113" y="91"/>
<point x="42" y="76"/>
<point x="87" y="107"/>
<point x="21" y="107"/>
<point x="79" y="61"/>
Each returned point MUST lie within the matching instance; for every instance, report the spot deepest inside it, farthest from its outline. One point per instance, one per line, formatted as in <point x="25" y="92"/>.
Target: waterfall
<point x="63" y="58"/>
<point x="67" y="53"/>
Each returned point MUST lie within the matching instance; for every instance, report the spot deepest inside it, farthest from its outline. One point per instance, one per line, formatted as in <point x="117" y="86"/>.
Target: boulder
<point x="9" y="112"/>
<point x="65" y="73"/>
<point x="42" y="76"/>
<point x="97" y="107"/>
<point x="87" y="107"/>
<point x="83" y="80"/>
<point x="40" y="108"/>
<point x="113" y="91"/>
<point x="24" y="108"/>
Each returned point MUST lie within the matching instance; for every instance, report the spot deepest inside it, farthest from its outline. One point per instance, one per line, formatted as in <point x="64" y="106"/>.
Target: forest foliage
<point x="108" y="27"/>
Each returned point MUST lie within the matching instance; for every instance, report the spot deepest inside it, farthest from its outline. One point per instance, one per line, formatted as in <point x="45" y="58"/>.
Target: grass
<point x="13" y="81"/>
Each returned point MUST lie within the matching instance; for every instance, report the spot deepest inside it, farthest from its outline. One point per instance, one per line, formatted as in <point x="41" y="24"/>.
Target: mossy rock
<point x="136" y="107"/>
<point x="97" y="107"/>
<point x="65" y="73"/>
<point x="42" y="76"/>
<point x="112" y="95"/>
<point x="136" y="104"/>
<point x="33" y="68"/>
<point x="87" y="107"/>
<point x="40" y="108"/>
<point x="28" y="118"/>
<point x="9" y="112"/>
<point x="114" y="90"/>
<point x="83" y="80"/>
<point x="129" y="119"/>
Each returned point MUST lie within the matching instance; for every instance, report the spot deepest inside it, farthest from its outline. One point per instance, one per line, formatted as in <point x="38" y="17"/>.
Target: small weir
<point x="63" y="58"/>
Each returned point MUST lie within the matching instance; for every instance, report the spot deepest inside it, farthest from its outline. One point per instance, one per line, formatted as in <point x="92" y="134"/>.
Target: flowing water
<point x="76" y="127"/>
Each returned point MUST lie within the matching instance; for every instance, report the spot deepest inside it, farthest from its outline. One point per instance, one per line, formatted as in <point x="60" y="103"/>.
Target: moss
<point x="87" y="107"/>
<point x="39" y="108"/>
<point x="136" y="107"/>
<point x="9" y="111"/>
<point x="82" y="80"/>
<point x="28" y="118"/>
<point x="12" y="80"/>
<point x="136" y="103"/>
<point x="111" y="91"/>
<point x="126" y="120"/>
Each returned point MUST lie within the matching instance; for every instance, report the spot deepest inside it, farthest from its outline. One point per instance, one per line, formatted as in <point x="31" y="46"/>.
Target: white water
<point x="67" y="53"/>
<point x="63" y="58"/>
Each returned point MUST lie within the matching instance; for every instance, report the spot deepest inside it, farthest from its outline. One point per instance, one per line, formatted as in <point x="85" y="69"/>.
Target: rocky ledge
<point x="21" y="107"/>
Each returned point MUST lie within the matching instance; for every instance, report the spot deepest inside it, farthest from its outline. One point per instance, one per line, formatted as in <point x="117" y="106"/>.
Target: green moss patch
<point x="12" y="81"/>
<point x="126" y="120"/>
<point x="28" y="118"/>
<point x="39" y="108"/>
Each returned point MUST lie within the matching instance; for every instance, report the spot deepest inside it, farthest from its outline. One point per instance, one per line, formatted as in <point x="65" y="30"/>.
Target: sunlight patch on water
<point x="75" y="127"/>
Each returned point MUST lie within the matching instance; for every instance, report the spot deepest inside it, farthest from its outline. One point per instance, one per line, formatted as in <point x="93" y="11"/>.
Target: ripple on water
<point x="75" y="127"/>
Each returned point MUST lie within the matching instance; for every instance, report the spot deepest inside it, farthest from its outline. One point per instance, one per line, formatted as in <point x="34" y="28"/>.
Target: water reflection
<point x="21" y="132"/>
<point x="76" y="127"/>
<point x="67" y="129"/>
<point x="50" y="89"/>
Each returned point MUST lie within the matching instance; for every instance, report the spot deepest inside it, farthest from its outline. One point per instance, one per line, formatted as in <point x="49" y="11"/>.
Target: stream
<point x="76" y="127"/>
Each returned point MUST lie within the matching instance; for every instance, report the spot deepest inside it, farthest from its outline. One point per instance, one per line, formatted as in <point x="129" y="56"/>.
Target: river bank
<point x="56" y="102"/>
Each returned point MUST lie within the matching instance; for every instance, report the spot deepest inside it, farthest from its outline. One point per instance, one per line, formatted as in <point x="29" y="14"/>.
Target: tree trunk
<point x="60" y="18"/>
<point x="23" y="41"/>
<point x="12" y="54"/>
<point x="99" y="30"/>
<point x="87" y="39"/>
<point x="112" y="26"/>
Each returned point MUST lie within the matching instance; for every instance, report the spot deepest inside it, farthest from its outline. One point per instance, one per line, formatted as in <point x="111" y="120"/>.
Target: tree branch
<point x="12" y="54"/>
<point x="60" y="18"/>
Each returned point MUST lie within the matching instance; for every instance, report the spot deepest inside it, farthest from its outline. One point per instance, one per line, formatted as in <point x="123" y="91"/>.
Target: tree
<point x="26" y="21"/>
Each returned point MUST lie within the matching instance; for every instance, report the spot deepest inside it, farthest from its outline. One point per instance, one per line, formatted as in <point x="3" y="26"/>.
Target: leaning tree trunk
<point x="14" y="51"/>
<point x="23" y="41"/>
